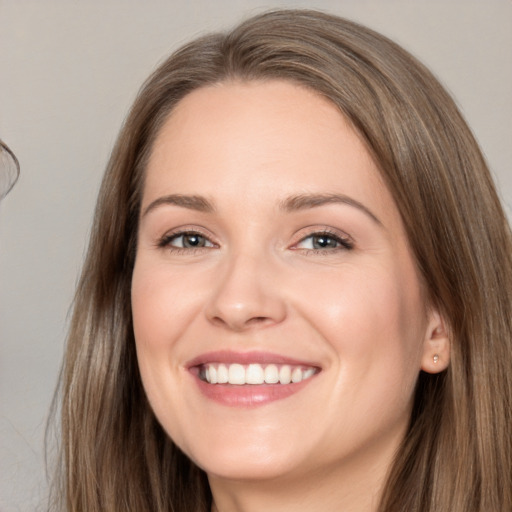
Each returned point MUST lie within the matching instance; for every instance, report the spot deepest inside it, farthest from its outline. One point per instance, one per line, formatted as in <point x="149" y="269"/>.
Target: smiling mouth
<point x="255" y="373"/>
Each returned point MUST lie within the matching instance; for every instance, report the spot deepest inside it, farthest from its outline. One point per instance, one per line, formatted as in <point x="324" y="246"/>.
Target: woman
<point x="297" y="291"/>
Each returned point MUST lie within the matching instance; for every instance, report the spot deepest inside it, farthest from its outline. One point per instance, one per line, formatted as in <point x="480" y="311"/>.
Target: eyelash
<point x="344" y="243"/>
<point x="166" y="241"/>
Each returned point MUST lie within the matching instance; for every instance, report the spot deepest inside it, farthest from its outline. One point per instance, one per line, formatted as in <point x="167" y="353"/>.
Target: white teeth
<point x="222" y="374"/>
<point x="271" y="374"/>
<point x="236" y="374"/>
<point x="308" y="373"/>
<point x="296" y="375"/>
<point x="285" y="374"/>
<point x="255" y="374"/>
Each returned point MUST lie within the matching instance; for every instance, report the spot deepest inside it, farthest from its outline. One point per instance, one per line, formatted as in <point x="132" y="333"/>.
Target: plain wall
<point x="68" y="73"/>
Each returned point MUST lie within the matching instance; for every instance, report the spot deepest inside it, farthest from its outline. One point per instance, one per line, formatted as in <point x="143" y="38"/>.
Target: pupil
<point x="321" y="242"/>
<point x="193" y="241"/>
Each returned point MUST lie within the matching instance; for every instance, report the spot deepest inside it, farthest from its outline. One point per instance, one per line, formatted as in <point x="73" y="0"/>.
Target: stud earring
<point x="435" y="358"/>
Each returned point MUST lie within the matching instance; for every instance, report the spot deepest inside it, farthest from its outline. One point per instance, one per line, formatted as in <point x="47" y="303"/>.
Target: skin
<point x="261" y="282"/>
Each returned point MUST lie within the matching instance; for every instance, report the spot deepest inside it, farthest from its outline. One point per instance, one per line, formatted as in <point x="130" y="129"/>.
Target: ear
<point x="436" y="347"/>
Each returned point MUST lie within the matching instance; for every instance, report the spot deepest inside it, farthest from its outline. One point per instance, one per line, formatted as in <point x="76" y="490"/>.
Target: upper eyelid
<point x="345" y="241"/>
<point x="327" y="234"/>
<point x="172" y="234"/>
<point x="184" y="230"/>
<point x="309" y="231"/>
<point x="343" y="244"/>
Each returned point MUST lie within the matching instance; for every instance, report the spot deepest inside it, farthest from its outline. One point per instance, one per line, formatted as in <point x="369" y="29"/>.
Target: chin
<point x="239" y="468"/>
<point x="246" y="458"/>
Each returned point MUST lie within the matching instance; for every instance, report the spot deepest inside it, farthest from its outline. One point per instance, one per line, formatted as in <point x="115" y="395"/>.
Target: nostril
<point x="258" y="320"/>
<point x="241" y="323"/>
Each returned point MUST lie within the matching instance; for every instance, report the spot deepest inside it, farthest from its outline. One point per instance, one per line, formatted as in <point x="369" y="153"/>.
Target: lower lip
<point x="249" y="395"/>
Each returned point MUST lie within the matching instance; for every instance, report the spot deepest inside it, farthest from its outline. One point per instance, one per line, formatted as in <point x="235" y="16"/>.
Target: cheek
<point x="373" y="318"/>
<point x="156" y="328"/>
<point x="153" y="312"/>
<point x="162" y="305"/>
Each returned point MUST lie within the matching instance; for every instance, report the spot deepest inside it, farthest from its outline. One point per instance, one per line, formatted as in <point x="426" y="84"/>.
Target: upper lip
<point x="258" y="357"/>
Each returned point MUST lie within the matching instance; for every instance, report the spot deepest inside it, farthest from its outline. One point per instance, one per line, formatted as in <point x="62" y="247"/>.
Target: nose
<point x="246" y="295"/>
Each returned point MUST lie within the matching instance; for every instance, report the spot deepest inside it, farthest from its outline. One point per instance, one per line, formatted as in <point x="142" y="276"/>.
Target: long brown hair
<point x="458" y="450"/>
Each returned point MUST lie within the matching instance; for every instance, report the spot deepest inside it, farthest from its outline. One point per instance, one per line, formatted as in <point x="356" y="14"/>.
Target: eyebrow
<point x="198" y="203"/>
<point x="290" y="204"/>
<point x="306" y="201"/>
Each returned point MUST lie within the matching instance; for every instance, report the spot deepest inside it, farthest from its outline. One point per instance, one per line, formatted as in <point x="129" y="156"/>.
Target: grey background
<point x="68" y="73"/>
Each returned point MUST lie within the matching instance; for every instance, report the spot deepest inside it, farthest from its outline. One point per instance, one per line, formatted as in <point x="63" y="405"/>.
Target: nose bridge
<point x="245" y="293"/>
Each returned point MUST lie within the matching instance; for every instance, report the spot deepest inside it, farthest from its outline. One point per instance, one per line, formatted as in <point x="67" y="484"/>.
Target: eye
<point x="325" y="241"/>
<point x="186" y="240"/>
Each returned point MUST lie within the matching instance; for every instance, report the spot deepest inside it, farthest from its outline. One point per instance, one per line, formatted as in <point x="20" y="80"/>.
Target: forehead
<point x="260" y="139"/>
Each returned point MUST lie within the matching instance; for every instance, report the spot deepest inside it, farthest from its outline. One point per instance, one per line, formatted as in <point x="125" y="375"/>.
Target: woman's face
<point x="269" y="249"/>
